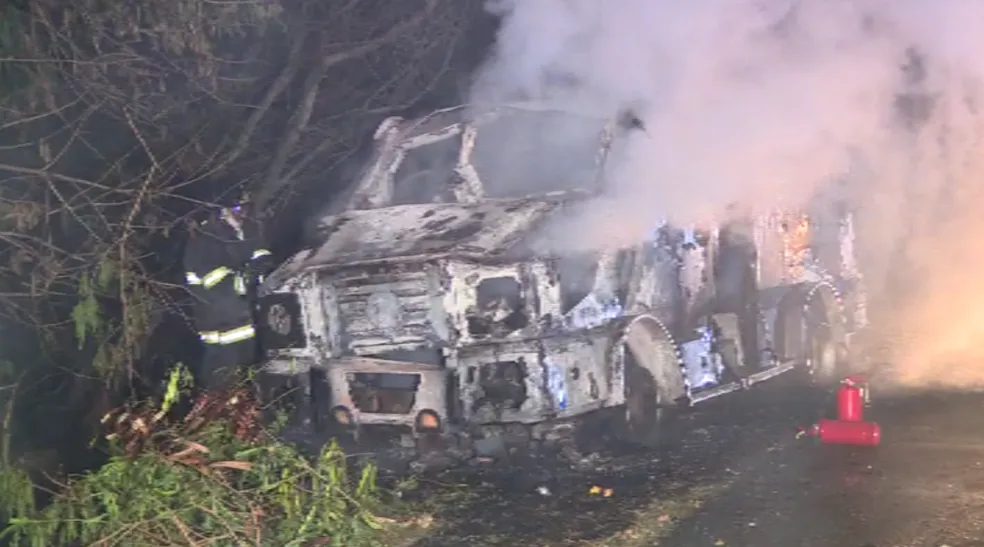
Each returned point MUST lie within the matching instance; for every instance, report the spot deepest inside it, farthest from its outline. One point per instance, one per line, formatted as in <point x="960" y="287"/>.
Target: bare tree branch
<point x="56" y="176"/>
<point x="276" y="89"/>
<point x="119" y="120"/>
<point x="273" y="183"/>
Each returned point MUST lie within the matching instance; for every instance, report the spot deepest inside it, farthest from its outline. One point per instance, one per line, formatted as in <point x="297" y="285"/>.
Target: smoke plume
<point x="767" y="103"/>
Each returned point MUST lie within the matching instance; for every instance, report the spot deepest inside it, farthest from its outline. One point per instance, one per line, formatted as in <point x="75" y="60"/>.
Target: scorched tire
<point x="643" y="404"/>
<point x="824" y="358"/>
<point x="810" y="330"/>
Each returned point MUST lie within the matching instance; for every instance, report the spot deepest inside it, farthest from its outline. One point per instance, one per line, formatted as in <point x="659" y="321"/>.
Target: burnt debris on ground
<point x="548" y="499"/>
<point x="734" y="474"/>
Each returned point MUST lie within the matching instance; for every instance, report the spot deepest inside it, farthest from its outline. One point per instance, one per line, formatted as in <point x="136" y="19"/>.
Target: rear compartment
<point x="368" y="391"/>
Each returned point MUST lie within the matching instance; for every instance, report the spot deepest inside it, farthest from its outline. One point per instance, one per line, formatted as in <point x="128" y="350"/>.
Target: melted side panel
<point x="532" y="381"/>
<point x="796" y="247"/>
<point x="770" y="246"/>
<point x="696" y="248"/>
<point x="491" y="303"/>
<point x="313" y="319"/>
<point x="654" y="284"/>
<point x="703" y="366"/>
<point x="501" y="383"/>
<point x="385" y="309"/>
<point x="580" y="372"/>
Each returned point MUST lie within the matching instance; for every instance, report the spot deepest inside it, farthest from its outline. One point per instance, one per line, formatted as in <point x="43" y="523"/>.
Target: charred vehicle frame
<point x="452" y="315"/>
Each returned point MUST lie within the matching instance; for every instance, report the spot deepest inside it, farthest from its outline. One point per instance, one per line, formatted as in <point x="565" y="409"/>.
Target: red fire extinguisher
<point x="849" y="427"/>
<point x="841" y="432"/>
<point x="851" y="398"/>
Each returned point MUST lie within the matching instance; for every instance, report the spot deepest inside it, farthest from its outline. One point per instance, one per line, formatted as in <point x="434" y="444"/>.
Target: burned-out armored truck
<point x="434" y="302"/>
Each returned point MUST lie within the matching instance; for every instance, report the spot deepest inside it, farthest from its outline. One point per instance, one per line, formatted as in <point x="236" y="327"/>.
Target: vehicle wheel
<point x="653" y="382"/>
<point x="821" y="361"/>
<point x="822" y="352"/>
<point x="643" y="404"/>
<point x="428" y="444"/>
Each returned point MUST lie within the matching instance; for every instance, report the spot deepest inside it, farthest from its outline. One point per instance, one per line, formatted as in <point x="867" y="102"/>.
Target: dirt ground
<point x="735" y="474"/>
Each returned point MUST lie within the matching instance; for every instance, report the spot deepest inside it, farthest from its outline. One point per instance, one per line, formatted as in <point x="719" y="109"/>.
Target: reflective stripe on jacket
<point x="230" y="336"/>
<point x="217" y="275"/>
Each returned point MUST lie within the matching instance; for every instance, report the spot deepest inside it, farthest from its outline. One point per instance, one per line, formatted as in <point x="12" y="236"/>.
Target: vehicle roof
<point x="426" y="231"/>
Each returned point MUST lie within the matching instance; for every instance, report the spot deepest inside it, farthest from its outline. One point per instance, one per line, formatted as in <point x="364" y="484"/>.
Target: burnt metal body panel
<point x="423" y="231"/>
<point x="430" y="389"/>
<point x="380" y="309"/>
<point x="511" y="337"/>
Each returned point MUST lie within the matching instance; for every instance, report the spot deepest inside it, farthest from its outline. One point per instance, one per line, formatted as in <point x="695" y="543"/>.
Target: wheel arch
<point x="641" y="335"/>
<point x="792" y="317"/>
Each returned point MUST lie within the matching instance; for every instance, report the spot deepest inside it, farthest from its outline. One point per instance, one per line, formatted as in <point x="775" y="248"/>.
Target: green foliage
<point x="273" y="496"/>
<point x="86" y="314"/>
<point x="200" y="486"/>
<point x="17" y="494"/>
<point x="178" y="383"/>
<point x="117" y="339"/>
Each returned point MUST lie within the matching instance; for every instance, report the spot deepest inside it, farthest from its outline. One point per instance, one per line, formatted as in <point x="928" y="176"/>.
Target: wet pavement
<point x="734" y="474"/>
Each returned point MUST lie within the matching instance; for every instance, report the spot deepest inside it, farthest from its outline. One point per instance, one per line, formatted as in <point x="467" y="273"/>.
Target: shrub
<point x="214" y="477"/>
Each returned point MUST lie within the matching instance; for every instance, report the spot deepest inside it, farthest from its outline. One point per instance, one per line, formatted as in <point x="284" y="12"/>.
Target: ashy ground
<point x="735" y="474"/>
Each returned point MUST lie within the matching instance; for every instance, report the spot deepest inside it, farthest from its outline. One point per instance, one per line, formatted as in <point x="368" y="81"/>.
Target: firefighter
<point x="223" y="259"/>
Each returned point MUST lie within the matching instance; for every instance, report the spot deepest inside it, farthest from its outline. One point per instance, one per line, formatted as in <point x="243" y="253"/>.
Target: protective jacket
<point x="223" y="259"/>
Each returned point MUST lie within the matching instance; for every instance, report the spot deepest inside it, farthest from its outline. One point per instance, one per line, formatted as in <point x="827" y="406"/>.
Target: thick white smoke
<point x="769" y="102"/>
